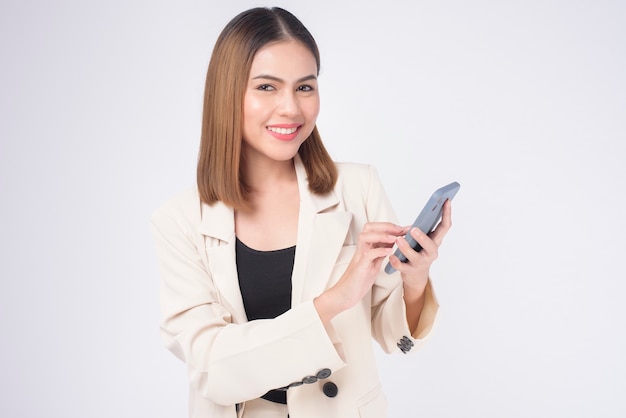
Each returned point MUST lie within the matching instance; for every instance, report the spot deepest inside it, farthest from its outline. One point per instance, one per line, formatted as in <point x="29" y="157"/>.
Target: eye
<point x="306" y="88"/>
<point x="265" y="87"/>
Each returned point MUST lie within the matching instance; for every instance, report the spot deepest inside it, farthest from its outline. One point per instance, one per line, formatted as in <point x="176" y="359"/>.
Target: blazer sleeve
<point x="230" y="363"/>
<point x="389" y="325"/>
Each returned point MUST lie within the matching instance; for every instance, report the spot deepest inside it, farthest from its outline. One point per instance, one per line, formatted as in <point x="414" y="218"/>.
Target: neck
<point x="266" y="175"/>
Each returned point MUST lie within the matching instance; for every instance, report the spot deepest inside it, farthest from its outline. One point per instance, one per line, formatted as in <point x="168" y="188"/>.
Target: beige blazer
<point x="231" y="360"/>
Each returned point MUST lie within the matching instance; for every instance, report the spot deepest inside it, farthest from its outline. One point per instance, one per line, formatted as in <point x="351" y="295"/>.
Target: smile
<point x="282" y="131"/>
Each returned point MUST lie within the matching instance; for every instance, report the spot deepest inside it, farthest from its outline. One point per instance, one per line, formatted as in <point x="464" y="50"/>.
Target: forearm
<point x="232" y="363"/>
<point x="414" y="300"/>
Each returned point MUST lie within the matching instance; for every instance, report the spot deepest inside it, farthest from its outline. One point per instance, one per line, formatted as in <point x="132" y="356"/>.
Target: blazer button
<point x="330" y="389"/>
<point x="323" y="374"/>
<point x="405" y="344"/>
<point x="309" y="379"/>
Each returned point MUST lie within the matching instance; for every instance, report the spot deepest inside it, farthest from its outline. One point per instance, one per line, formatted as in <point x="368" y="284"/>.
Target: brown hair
<point x="219" y="162"/>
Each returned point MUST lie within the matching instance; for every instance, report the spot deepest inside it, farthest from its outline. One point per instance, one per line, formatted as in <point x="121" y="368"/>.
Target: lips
<point x="284" y="132"/>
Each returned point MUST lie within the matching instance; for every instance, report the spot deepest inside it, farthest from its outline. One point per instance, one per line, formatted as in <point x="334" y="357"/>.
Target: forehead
<point x="284" y="57"/>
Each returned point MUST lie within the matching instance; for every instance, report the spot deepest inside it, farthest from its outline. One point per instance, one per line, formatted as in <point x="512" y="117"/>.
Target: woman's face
<point x="281" y="102"/>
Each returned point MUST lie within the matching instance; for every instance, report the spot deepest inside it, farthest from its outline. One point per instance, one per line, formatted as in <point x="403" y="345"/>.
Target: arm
<point x="400" y="308"/>
<point x="229" y="362"/>
<point x="415" y="272"/>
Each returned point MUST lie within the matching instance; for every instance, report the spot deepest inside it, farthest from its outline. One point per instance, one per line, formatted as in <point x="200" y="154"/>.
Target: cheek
<point x="312" y="109"/>
<point x="252" y="108"/>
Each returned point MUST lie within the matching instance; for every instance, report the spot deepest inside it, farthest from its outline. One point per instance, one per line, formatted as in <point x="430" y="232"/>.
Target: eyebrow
<point x="280" y="80"/>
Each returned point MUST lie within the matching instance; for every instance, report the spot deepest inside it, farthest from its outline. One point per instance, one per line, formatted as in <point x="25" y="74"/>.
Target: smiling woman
<point x="227" y="81"/>
<point x="271" y="271"/>
<point x="281" y="101"/>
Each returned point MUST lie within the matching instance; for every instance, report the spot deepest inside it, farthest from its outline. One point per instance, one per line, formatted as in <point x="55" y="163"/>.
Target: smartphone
<point x="427" y="219"/>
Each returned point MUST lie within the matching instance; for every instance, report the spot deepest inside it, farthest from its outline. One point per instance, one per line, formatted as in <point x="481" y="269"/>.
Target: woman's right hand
<point x="374" y="244"/>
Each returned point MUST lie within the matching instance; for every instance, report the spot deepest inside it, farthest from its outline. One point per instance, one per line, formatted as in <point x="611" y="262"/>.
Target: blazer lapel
<point x="218" y="226"/>
<point x="321" y="235"/>
<point x="322" y="232"/>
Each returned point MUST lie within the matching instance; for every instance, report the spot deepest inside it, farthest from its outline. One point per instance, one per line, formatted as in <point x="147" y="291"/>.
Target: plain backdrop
<point x="523" y="102"/>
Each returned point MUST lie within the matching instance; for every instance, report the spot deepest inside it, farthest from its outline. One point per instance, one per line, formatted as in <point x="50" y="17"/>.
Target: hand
<point x="374" y="244"/>
<point x="415" y="272"/>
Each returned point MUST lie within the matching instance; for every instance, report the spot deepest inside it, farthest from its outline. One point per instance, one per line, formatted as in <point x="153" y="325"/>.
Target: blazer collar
<point x="322" y="230"/>
<point x="312" y="202"/>
<point x="218" y="220"/>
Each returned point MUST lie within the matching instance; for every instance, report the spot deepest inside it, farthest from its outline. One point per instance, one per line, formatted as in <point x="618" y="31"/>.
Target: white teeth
<point x="282" y="131"/>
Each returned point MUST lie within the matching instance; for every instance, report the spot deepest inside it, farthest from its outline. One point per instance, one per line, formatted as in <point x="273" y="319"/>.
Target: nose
<point x="289" y="104"/>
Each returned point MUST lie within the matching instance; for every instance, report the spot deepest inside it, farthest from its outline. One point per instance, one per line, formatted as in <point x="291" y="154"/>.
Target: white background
<point x="522" y="102"/>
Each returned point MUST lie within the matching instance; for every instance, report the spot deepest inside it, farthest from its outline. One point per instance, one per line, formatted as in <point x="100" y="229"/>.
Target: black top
<point x="265" y="285"/>
<point x="265" y="280"/>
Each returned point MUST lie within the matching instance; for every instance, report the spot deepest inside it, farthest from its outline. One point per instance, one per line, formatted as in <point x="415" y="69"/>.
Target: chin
<point x="284" y="156"/>
<point x="286" y="152"/>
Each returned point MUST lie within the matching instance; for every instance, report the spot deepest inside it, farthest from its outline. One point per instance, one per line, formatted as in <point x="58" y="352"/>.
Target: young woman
<point x="272" y="285"/>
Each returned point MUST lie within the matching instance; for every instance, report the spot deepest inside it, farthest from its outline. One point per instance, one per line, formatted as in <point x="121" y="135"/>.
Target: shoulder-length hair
<point x="219" y="173"/>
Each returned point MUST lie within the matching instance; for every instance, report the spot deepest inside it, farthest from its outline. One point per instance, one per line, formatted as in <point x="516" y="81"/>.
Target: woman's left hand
<point x="415" y="272"/>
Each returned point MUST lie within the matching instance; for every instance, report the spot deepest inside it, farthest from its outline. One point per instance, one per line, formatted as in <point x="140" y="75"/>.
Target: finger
<point x="429" y="246"/>
<point x="444" y="226"/>
<point x="373" y="255"/>
<point x="406" y="249"/>
<point x="399" y="265"/>
<point x="377" y="239"/>
<point x="378" y="253"/>
<point x="385" y="227"/>
<point x="404" y="268"/>
<point x="428" y="253"/>
<point x="406" y="228"/>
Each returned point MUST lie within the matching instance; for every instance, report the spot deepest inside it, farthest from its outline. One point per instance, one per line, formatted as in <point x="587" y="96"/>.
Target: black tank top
<point x="265" y="285"/>
<point x="265" y="280"/>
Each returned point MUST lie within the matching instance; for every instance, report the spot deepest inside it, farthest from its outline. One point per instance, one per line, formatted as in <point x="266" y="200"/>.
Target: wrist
<point x="324" y="306"/>
<point x="414" y="292"/>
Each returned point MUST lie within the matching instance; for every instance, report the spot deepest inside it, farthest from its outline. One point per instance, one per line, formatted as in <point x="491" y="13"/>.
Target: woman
<point x="271" y="283"/>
